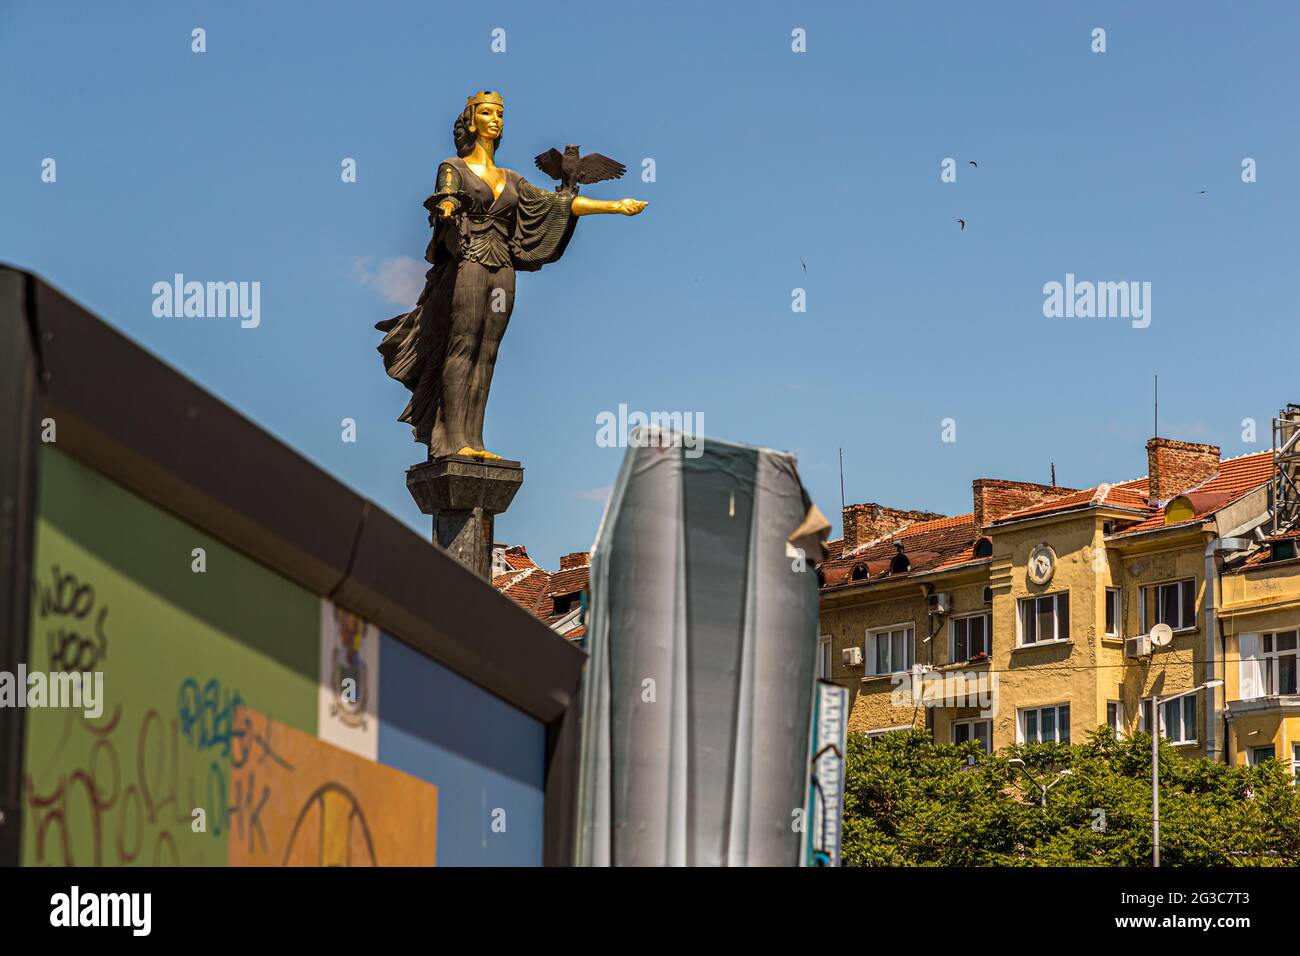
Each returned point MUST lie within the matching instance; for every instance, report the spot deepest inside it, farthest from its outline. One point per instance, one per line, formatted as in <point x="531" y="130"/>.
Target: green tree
<point x="911" y="802"/>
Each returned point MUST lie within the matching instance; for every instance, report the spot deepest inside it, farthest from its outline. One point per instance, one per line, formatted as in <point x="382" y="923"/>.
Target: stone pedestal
<point x="464" y="495"/>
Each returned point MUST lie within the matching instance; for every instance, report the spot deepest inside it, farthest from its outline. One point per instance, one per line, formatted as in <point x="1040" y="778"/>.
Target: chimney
<point x="870" y="521"/>
<point x="1175" y="466"/>
<point x="996" y="498"/>
<point x="578" y="559"/>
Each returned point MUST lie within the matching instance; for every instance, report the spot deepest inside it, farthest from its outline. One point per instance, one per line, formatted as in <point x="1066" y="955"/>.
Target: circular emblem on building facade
<point x="1042" y="564"/>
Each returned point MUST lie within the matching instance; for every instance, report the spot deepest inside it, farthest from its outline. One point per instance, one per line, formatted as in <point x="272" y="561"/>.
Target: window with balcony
<point x="1173" y="603"/>
<point x="1045" y="724"/>
<point x="891" y="649"/>
<point x="970" y="637"/>
<point x="1044" y="619"/>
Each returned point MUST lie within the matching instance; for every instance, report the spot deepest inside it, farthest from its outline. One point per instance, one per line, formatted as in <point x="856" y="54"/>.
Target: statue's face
<point x="488" y="120"/>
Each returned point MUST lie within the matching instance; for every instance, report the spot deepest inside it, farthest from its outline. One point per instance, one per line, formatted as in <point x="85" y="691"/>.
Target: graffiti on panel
<point x="75" y="626"/>
<point x="320" y="805"/>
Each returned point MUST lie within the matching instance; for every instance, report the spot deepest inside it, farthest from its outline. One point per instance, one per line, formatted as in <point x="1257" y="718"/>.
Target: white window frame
<point x="1022" y="721"/>
<point x="972" y="723"/>
<point x="1116" y="595"/>
<point x="952" y="636"/>
<point x="909" y="648"/>
<point x="1295" y="761"/>
<point x="1270" y="661"/>
<point x="824" y="661"/>
<point x="1118" y="724"/>
<point x="1178" y="582"/>
<point x="1182" y="718"/>
<point x="1057" y="637"/>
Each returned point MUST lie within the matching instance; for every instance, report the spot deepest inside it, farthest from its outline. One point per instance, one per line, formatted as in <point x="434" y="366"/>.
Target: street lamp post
<point x="1155" y="763"/>
<point x="1060" y="775"/>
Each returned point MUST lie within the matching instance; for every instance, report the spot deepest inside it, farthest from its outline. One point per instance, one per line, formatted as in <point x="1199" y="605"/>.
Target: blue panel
<point x="481" y="753"/>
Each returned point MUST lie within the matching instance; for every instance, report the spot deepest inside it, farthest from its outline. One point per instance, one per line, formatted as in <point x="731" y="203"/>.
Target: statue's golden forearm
<point x="582" y="206"/>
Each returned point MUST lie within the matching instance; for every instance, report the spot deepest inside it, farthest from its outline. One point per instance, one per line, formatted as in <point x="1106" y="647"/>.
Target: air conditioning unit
<point x="851" y="656"/>
<point x="1139" y="646"/>
<point x="940" y="602"/>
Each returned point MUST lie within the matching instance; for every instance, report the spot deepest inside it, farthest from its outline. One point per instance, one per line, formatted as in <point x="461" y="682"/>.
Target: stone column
<point x="464" y="495"/>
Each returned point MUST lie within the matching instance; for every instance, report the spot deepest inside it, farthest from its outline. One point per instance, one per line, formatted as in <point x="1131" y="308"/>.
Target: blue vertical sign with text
<point x="825" y="810"/>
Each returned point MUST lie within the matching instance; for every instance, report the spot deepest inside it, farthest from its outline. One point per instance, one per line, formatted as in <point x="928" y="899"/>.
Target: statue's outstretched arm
<point x="582" y="206"/>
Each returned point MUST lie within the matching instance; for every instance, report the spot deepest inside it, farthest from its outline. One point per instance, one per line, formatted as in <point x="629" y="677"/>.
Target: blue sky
<point x="226" y="166"/>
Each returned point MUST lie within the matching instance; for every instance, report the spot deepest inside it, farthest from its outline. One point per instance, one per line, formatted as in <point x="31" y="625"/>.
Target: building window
<point x="1115" y="717"/>
<point x="970" y="637"/>
<point x="1295" y="760"/>
<point x="824" y="657"/>
<point x="1113" y="616"/>
<point x="1178" y="719"/>
<point x="1259" y="754"/>
<point x="1279" y="663"/>
<point x="979" y="730"/>
<point x="1045" y="618"/>
<point x="1045" y="724"/>
<point x="1173" y="604"/>
<point x="891" y="649"/>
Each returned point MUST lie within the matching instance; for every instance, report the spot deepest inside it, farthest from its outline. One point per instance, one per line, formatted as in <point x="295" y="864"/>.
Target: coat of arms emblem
<point x="349" y="667"/>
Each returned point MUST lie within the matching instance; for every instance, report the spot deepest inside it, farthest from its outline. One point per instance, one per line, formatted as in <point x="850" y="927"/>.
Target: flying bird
<point x="1202" y="192"/>
<point x="963" y="224"/>
<point x="571" y="169"/>
<point x="973" y="163"/>
<point x="804" y="264"/>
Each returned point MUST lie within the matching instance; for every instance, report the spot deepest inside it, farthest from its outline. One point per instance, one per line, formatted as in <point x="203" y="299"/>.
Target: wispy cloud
<point x="400" y="280"/>
<point x="595" y="494"/>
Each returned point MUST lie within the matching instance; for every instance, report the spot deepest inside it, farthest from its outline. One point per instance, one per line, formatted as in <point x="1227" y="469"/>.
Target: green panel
<point x="116" y="592"/>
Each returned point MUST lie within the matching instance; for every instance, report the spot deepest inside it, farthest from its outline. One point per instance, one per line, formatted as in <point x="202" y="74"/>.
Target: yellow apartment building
<point x="1045" y="612"/>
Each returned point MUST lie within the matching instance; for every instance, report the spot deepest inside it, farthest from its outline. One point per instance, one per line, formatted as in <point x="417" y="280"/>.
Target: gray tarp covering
<point x="694" y="588"/>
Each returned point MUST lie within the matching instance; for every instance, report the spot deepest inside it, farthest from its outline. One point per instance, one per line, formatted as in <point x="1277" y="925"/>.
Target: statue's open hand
<point x="630" y="207"/>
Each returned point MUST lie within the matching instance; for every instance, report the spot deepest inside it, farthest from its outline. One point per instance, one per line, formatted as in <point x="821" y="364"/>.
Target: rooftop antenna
<point x="1156" y="422"/>
<point x="841" y="481"/>
<point x="1053" y="474"/>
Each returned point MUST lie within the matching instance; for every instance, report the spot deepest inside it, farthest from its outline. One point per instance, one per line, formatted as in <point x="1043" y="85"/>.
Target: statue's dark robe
<point x="444" y="350"/>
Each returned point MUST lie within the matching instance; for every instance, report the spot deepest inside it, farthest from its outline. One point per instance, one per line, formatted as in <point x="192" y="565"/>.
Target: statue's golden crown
<point x="485" y="96"/>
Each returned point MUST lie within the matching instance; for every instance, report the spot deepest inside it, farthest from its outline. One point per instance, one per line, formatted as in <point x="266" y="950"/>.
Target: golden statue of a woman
<point x="488" y="223"/>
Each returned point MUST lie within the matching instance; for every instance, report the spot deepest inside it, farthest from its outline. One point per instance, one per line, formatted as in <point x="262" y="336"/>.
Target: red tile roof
<point x="535" y="589"/>
<point x="929" y="545"/>
<point x="1264" y="555"/>
<point x="1116" y="496"/>
<point x="1236" y="477"/>
<point x="949" y="542"/>
<point x="569" y="581"/>
<point x="525" y="588"/>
